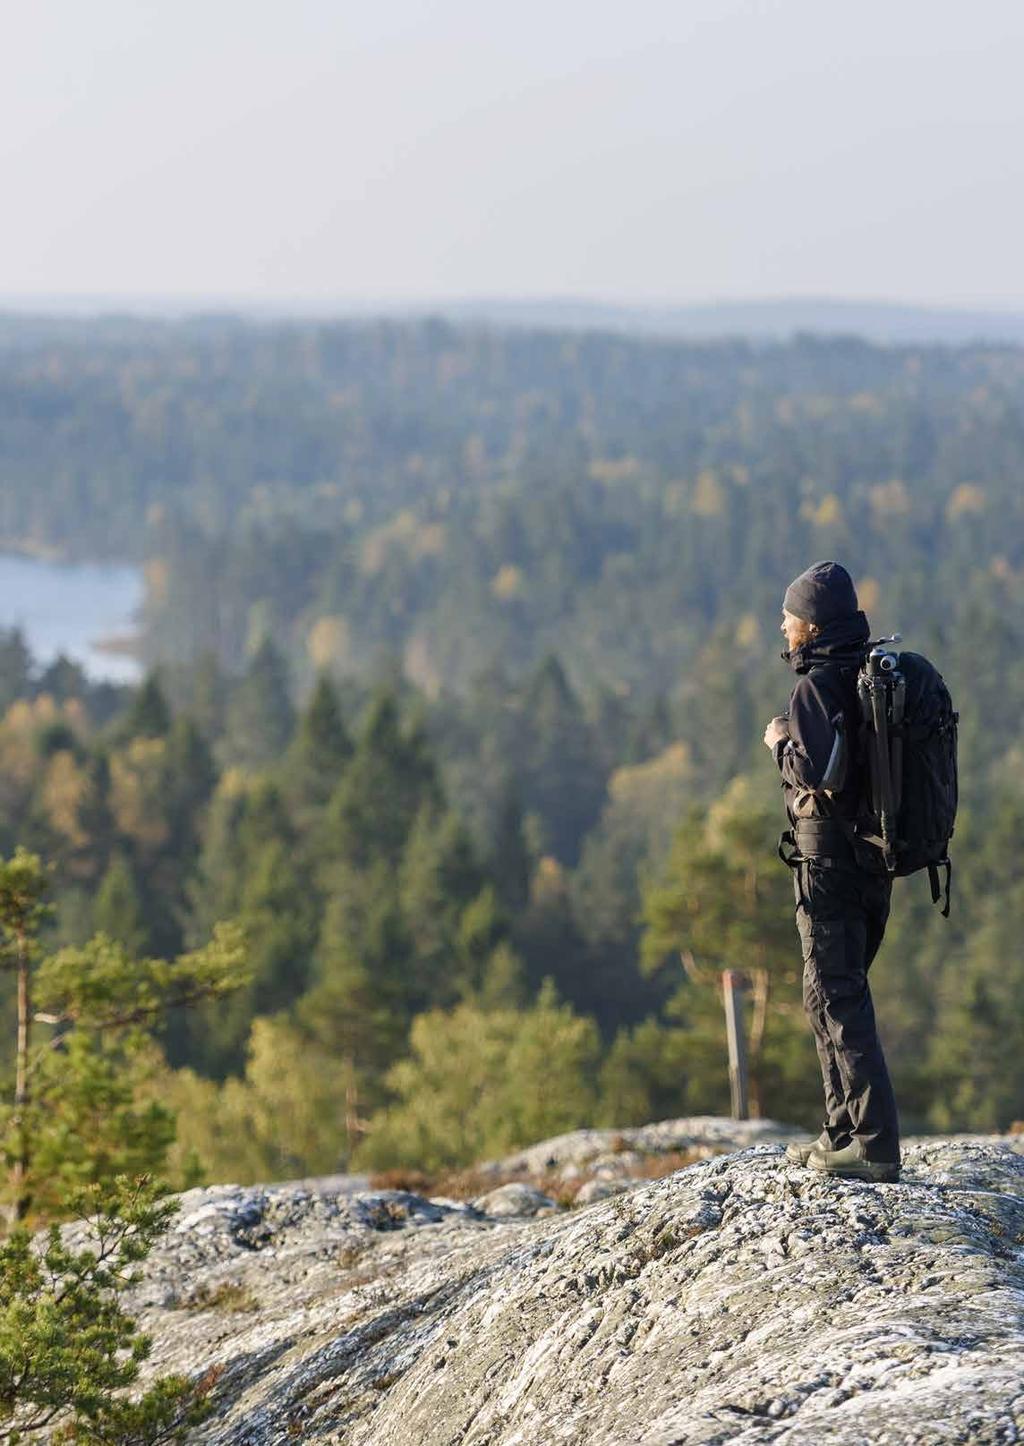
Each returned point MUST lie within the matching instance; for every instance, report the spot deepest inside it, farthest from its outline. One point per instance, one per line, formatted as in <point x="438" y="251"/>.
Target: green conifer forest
<point x="458" y="648"/>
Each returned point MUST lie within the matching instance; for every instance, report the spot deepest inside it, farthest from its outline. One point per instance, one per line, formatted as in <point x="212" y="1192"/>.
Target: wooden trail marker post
<point x="733" y="985"/>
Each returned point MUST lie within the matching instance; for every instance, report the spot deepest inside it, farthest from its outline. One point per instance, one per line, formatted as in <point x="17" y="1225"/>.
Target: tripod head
<point x="880" y="658"/>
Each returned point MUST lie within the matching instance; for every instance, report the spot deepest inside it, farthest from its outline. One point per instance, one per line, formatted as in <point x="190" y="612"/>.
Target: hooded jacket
<point x="818" y="761"/>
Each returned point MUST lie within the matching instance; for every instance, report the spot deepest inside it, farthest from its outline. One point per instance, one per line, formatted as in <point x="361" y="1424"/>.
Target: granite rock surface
<point x="741" y="1299"/>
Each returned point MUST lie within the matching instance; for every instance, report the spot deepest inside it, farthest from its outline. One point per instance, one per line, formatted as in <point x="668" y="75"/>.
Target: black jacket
<point x="818" y="762"/>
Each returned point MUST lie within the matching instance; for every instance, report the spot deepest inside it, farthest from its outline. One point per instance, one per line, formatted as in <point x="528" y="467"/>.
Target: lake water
<point x="70" y="608"/>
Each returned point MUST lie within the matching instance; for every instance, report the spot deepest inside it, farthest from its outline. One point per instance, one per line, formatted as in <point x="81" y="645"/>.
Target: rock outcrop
<point x="740" y="1299"/>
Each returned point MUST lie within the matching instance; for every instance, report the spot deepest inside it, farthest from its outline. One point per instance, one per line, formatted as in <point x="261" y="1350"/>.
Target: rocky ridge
<point x="740" y="1299"/>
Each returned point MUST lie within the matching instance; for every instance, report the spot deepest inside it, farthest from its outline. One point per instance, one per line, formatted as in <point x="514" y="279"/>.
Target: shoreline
<point x="34" y="551"/>
<point x="30" y="549"/>
<point x="122" y="645"/>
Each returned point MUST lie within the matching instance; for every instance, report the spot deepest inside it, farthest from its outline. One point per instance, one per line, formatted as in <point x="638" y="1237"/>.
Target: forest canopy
<point x="455" y="496"/>
<point x="460" y="646"/>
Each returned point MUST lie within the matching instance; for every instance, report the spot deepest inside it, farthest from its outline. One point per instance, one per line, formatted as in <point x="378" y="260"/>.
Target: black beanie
<point x="821" y="594"/>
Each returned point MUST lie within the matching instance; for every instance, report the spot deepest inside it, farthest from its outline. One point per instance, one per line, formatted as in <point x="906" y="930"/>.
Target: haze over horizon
<point x="317" y="154"/>
<point x="306" y="307"/>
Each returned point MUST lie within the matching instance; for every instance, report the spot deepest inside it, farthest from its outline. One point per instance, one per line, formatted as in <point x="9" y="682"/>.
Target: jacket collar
<point x="844" y="641"/>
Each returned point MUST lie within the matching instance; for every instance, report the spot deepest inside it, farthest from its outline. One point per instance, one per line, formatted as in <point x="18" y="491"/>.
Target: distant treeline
<point x="460" y="496"/>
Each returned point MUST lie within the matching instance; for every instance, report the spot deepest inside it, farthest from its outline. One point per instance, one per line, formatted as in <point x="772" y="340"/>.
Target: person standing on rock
<point x="842" y="887"/>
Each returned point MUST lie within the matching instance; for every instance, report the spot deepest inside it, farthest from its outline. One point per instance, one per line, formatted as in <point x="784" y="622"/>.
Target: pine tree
<point x="15" y="667"/>
<point x="724" y="903"/>
<point x="279" y="914"/>
<point x="81" y="1140"/>
<point x="259" y="715"/>
<point x="84" y="1112"/>
<point x="390" y="776"/>
<point x="245" y="815"/>
<point x="365" y="992"/>
<point x="562" y="778"/>
<point x="509" y="861"/>
<point x="190" y="778"/>
<point x="118" y="910"/>
<point x="439" y="879"/>
<point x="95" y="817"/>
<point x="251" y="868"/>
<point x="69" y="1351"/>
<point x="23" y="910"/>
<point x="208" y="695"/>
<point x="62" y="680"/>
<point x="503" y="980"/>
<point x="319" y="752"/>
<point x="975" y="1061"/>
<point x="549" y="938"/>
<point x="149" y="715"/>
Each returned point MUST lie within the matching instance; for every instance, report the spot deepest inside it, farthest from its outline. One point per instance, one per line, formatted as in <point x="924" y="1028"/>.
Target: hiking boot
<point x="851" y="1164"/>
<point x="798" y="1150"/>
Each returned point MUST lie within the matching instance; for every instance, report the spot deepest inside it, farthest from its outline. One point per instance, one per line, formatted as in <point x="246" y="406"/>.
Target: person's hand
<point x="777" y="730"/>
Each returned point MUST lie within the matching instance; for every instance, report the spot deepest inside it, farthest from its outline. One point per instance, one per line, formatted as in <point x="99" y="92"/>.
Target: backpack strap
<point x="862" y="831"/>
<point x="933" y="879"/>
<point x="793" y="860"/>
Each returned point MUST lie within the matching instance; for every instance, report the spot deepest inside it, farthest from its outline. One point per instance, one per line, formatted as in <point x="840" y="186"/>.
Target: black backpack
<point x="908" y="748"/>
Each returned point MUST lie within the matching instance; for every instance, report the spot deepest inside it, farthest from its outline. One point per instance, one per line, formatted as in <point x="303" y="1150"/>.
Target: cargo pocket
<point x="827" y="887"/>
<point x="827" y="958"/>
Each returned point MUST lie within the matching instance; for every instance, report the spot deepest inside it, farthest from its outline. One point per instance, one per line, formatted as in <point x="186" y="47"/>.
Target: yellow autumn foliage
<point x="548" y="883"/>
<point x="329" y="641"/>
<point x="614" y="469"/>
<point x="640" y="781"/>
<point x="966" y="499"/>
<point x="157" y="576"/>
<point x="869" y="594"/>
<point x="508" y="582"/>
<point x="137" y="794"/>
<point x="64" y="792"/>
<point x="748" y="632"/>
<point x="708" y="498"/>
<point x="419" y="666"/>
<point x="829" y="512"/>
<point x="890" y="499"/>
<point x="404" y="531"/>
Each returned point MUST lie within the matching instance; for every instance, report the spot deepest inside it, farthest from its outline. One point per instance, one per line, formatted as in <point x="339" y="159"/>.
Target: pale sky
<point x="644" y="150"/>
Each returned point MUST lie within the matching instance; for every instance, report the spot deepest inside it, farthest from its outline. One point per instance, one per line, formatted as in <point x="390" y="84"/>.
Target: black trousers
<point x="841" y="914"/>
